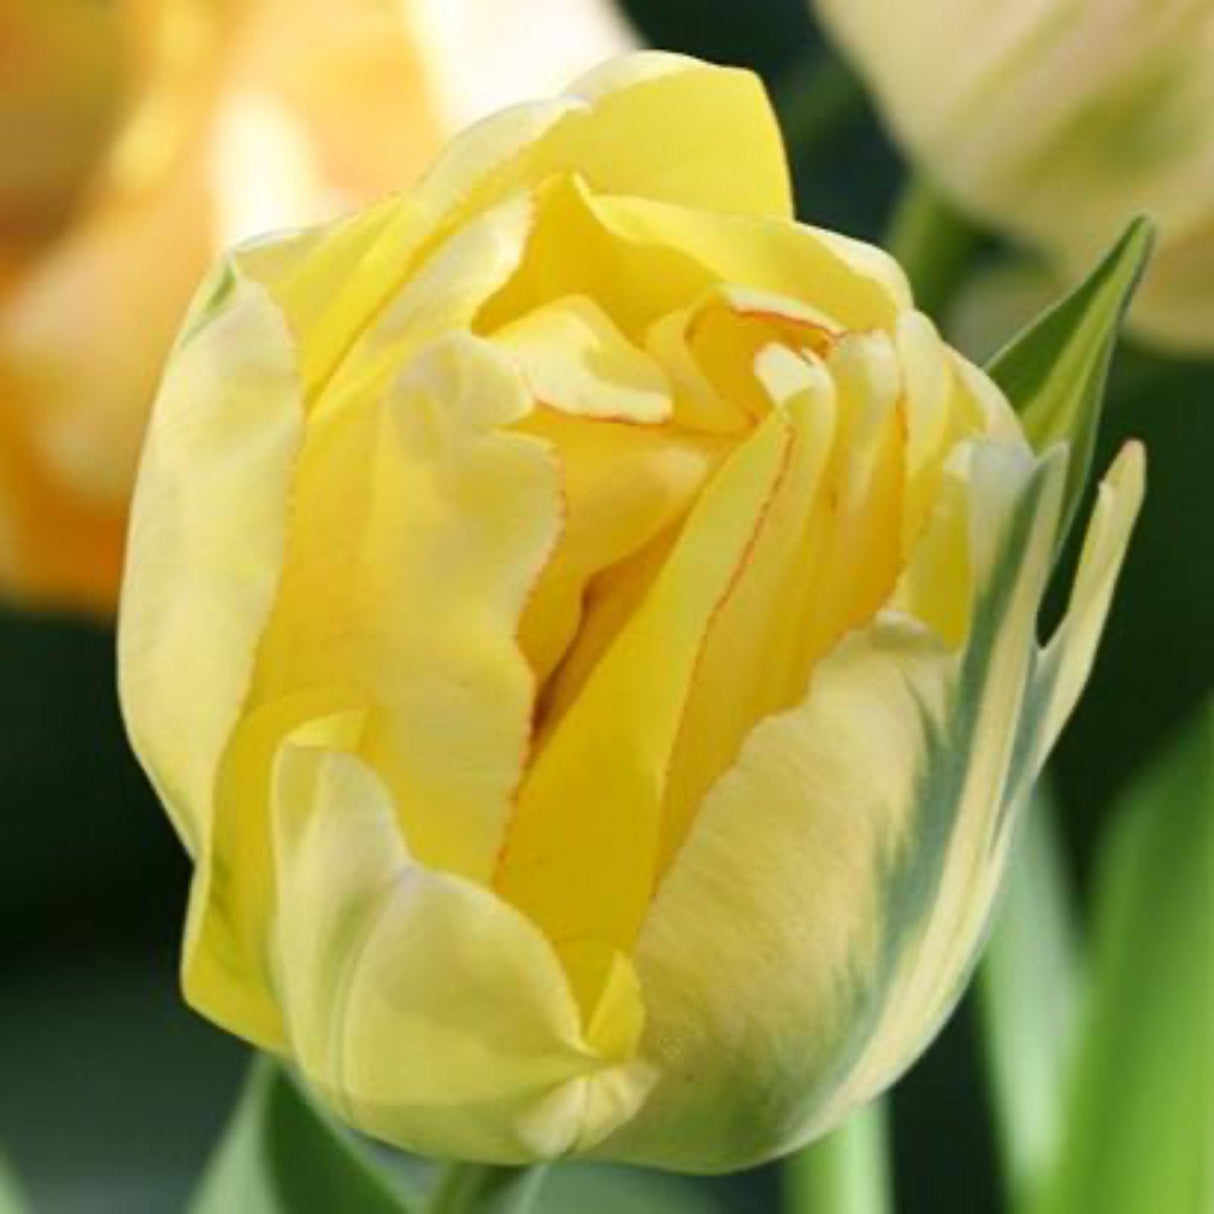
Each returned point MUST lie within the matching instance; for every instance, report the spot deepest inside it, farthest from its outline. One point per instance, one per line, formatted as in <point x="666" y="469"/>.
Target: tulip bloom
<point x="1056" y="122"/>
<point x="151" y="133"/>
<point x="581" y="622"/>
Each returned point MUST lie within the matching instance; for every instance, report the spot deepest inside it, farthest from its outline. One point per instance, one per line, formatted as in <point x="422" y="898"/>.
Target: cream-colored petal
<point x="1174" y="307"/>
<point x="469" y="75"/>
<point x="1056" y="123"/>
<point x="425" y="1009"/>
<point x="841" y="872"/>
<point x="207" y="540"/>
<point x="1067" y="659"/>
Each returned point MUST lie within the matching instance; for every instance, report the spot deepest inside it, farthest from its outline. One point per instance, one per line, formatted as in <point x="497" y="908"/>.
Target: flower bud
<point x="581" y="622"/>
<point x="1056" y="123"/>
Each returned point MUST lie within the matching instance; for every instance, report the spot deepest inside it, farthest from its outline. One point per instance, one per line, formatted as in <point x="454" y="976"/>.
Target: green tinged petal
<point x="207" y="539"/>
<point x="858" y="837"/>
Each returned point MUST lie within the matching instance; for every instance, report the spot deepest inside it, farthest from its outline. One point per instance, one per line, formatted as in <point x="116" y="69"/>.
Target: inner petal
<point x="623" y="485"/>
<point x="825" y="559"/>
<point x="709" y="350"/>
<point x="420" y="523"/>
<point x="572" y="251"/>
<point x="580" y="854"/>
<point x="575" y="359"/>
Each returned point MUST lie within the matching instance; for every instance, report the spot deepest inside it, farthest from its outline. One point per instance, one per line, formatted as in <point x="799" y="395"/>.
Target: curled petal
<point x="206" y="547"/>
<point x="428" y="1011"/>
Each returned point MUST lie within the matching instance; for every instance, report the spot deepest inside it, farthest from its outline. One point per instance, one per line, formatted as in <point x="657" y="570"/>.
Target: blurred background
<point x="112" y="1093"/>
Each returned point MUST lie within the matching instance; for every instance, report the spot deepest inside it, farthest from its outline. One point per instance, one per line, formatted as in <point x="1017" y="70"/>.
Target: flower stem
<point x="480" y="1188"/>
<point x="817" y="102"/>
<point x="1030" y="985"/>
<point x="933" y="241"/>
<point x="847" y="1172"/>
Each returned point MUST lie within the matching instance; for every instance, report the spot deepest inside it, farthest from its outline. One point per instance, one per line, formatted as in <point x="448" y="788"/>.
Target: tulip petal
<point x="575" y="359"/>
<point x="580" y="853"/>
<point x="841" y="869"/>
<point x="1174" y="309"/>
<point x="206" y="547"/>
<point x="802" y="587"/>
<point x="446" y="291"/>
<point x="405" y="612"/>
<point x="1067" y="659"/>
<point x="615" y="128"/>
<point x="864" y="286"/>
<point x="623" y="487"/>
<point x="429" y="1012"/>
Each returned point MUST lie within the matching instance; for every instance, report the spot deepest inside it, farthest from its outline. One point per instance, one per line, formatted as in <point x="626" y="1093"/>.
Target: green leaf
<point x="481" y="1188"/>
<point x="282" y="1155"/>
<point x="1140" y="1124"/>
<point x="848" y="1172"/>
<point x="559" y="1189"/>
<point x="1055" y="371"/>
<point x="606" y="1189"/>
<point x="1029" y="986"/>
<point x="11" y="1201"/>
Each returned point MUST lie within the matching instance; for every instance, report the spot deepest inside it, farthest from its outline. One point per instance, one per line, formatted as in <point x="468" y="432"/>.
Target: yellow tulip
<point x="1055" y="122"/>
<point x="137" y="139"/>
<point x="581" y="623"/>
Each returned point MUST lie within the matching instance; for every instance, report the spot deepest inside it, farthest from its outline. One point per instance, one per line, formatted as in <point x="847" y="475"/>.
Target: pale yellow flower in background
<point x="139" y="137"/>
<point x="582" y="624"/>
<point x="1056" y="121"/>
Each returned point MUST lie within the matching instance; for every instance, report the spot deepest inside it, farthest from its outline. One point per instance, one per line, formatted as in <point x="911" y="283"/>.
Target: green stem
<point x="817" y="103"/>
<point x="479" y="1188"/>
<point x="847" y="1172"/>
<point x="934" y="243"/>
<point x="1029" y="986"/>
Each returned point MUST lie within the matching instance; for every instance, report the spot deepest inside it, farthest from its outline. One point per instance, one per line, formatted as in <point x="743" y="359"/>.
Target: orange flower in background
<point x="138" y="138"/>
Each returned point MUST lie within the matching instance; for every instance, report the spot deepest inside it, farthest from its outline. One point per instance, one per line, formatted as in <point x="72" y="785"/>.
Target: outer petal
<point x="840" y="871"/>
<point x="402" y="611"/>
<point x="616" y="128"/>
<point x="206" y="545"/>
<point x="428" y="1011"/>
<point x="1067" y="660"/>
